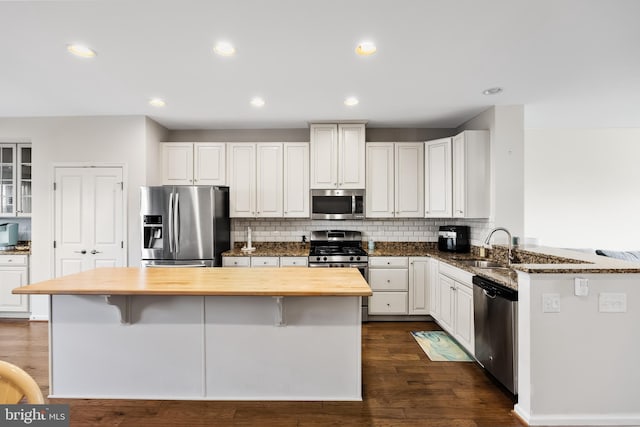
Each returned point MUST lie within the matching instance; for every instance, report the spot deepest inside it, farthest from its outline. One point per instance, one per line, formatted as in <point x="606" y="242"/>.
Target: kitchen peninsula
<point x="204" y="333"/>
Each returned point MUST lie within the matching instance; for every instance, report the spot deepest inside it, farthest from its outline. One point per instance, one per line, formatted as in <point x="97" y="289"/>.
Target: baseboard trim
<point x="39" y="317"/>
<point x="577" y="419"/>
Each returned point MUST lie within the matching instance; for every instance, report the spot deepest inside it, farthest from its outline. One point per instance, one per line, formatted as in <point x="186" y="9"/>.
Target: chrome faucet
<point x="486" y="241"/>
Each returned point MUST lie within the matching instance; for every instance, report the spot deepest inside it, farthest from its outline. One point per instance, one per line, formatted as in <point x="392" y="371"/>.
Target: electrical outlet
<point x="612" y="303"/>
<point x="551" y="303"/>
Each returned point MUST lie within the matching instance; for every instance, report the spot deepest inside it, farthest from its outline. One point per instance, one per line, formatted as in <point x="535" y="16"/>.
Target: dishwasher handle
<point x="493" y="289"/>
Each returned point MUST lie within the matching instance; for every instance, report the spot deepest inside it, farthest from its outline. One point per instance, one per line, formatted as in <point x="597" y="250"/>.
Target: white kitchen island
<point x="206" y="333"/>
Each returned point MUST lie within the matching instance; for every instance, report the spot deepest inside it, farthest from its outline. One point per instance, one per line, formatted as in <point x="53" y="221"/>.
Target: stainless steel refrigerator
<point x="184" y="226"/>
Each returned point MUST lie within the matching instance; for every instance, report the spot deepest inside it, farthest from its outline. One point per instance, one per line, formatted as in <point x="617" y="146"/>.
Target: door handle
<point x="171" y="223"/>
<point x="93" y="252"/>
<point x="81" y="252"/>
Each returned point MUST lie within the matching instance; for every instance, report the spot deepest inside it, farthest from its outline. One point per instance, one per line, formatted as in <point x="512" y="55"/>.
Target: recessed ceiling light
<point x="157" y="102"/>
<point x="492" y="91"/>
<point x="351" y="101"/>
<point x="224" y="49"/>
<point x="257" y="102"/>
<point x="366" y="48"/>
<point x="81" y="50"/>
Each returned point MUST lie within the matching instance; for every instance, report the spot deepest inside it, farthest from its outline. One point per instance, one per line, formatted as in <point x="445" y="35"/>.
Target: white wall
<point x="54" y="140"/>
<point x="578" y="366"/>
<point x="582" y="187"/>
<point x="506" y="124"/>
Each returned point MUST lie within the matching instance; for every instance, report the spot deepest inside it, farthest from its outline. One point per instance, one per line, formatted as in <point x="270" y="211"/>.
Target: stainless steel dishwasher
<point x="496" y="330"/>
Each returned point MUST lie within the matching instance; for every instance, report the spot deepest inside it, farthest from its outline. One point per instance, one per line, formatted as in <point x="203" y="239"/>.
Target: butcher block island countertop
<point x="285" y="281"/>
<point x="206" y="333"/>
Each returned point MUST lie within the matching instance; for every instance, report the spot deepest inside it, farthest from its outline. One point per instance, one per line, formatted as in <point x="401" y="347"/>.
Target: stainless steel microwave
<point x="337" y="204"/>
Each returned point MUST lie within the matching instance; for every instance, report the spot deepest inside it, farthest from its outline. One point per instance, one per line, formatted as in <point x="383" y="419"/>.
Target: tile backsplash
<point x="381" y="230"/>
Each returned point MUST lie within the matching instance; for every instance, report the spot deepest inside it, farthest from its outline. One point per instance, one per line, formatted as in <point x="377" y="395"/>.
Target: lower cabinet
<point x="399" y="285"/>
<point x="453" y="309"/>
<point x="264" y="261"/>
<point x="14" y="273"/>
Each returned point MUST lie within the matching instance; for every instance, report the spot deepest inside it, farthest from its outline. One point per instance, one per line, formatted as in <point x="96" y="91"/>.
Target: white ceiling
<point x="572" y="63"/>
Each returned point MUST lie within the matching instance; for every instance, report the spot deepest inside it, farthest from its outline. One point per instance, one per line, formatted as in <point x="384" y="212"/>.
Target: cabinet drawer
<point x="236" y="261"/>
<point x="388" y="262"/>
<point x="293" y="261"/>
<point x="13" y="259"/>
<point x="383" y="279"/>
<point x="265" y="261"/>
<point x="388" y="303"/>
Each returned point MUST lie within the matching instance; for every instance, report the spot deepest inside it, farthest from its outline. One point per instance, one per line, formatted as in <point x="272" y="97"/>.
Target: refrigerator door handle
<point x="171" y="222"/>
<point x="176" y="224"/>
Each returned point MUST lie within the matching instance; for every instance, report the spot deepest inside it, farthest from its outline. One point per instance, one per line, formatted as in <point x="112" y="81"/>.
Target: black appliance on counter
<point x="454" y="238"/>
<point x="340" y="248"/>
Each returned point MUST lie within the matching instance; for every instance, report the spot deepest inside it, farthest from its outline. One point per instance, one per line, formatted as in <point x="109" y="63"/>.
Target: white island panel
<point x="315" y="355"/>
<point x="158" y="355"/>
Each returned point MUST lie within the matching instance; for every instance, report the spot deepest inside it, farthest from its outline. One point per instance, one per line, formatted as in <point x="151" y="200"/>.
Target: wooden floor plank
<point x="402" y="387"/>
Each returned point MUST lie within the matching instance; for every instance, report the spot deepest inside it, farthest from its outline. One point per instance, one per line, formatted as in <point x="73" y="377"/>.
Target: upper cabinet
<point x="471" y="174"/>
<point x="255" y="179"/>
<point x="15" y="180"/>
<point x="296" y="180"/>
<point x="457" y="176"/>
<point x="395" y="176"/>
<point x="269" y="179"/>
<point x="199" y="163"/>
<point x="438" y="188"/>
<point x="337" y="156"/>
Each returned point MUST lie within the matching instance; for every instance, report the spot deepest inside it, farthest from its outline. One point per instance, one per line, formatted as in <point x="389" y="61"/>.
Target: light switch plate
<point x="551" y="303"/>
<point x="612" y="302"/>
<point x="581" y="287"/>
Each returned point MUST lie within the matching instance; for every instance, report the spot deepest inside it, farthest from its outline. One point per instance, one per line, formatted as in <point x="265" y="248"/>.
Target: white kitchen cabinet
<point x="457" y="176"/>
<point x="15" y="180"/>
<point x="338" y="156"/>
<point x="438" y="202"/>
<point x="395" y="180"/>
<point x="199" y="163"/>
<point x="14" y="273"/>
<point x="236" y="261"/>
<point x="419" y="269"/>
<point x="296" y="180"/>
<point x="456" y="304"/>
<point x="471" y="174"/>
<point x="255" y="179"/>
<point x="389" y="281"/>
<point x="265" y="261"/>
<point x="434" y="303"/>
<point x="388" y="303"/>
<point x="294" y="261"/>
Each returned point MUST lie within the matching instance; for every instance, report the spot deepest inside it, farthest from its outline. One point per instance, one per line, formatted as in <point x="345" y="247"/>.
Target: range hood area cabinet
<point x="198" y="163"/>
<point x="268" y="179"/>
<point x="457" y="176"/>
<point x="338" y="156"/>
<point x="395" y="180"/>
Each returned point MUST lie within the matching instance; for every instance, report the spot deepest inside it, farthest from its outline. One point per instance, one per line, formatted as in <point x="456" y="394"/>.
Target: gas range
<point x="336" y="246"/>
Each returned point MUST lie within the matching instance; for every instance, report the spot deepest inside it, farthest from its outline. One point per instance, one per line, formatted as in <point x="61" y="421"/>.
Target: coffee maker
<point x="454" y="238"/>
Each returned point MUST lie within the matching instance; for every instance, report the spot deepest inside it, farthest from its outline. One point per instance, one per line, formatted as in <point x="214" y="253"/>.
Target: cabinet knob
<point x="81" y="252"/>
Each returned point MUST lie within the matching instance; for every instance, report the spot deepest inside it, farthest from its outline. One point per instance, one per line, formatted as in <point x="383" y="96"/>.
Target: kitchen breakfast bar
<point x="206" y="333"/>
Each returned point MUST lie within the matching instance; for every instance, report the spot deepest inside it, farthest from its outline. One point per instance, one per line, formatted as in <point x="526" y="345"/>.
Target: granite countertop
<point x="528" y="259"/>
<point x="16" y="252"/>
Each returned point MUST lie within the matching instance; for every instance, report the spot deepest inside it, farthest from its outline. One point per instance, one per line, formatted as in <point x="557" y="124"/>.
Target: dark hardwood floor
<point x="402" y="387"/>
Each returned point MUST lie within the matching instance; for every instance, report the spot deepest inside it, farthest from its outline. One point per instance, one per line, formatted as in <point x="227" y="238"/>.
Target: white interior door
<point x="89" y="218"/>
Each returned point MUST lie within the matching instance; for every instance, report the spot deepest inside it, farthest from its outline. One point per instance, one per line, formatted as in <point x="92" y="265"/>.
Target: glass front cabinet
<point x="15" y="180"/>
